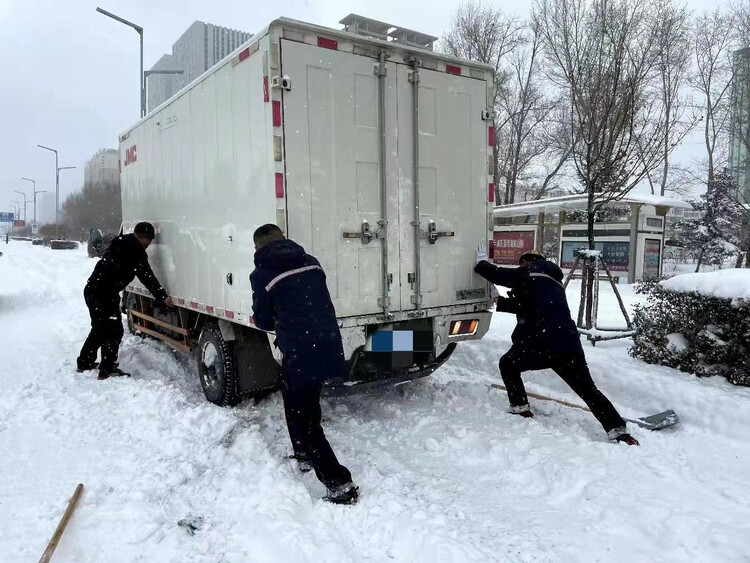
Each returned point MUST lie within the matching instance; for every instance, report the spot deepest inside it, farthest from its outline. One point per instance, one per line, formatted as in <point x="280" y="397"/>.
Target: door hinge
<point x="283" y="82"/>
<point x="229" y="278"/>
<point x="380" y="69"/>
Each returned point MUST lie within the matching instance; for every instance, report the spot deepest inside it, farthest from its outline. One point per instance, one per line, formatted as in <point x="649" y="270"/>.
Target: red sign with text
<point x="508" y="246"/>
<point x="131" y="155"/>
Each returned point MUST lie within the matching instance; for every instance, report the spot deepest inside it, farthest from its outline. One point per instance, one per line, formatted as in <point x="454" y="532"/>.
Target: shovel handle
<point x="543" y="398"/>
<point x="52" y="545"/>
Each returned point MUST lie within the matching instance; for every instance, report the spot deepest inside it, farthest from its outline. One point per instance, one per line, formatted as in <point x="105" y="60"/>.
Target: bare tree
<point x="713" y="41"/>
<point x="603" y="54"/>
<point x="672" y="45"/>
<point x="528" y="111"/>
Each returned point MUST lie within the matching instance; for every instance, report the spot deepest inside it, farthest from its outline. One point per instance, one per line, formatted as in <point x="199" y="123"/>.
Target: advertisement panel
<point x="651" y="259"/>
<point x="508" y="246"/>
<point x="615" y="254"/>
<point x="19" y="223"/>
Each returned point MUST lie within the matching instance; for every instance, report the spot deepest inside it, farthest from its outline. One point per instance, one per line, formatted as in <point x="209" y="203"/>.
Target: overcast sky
<point x="70" y="74"/>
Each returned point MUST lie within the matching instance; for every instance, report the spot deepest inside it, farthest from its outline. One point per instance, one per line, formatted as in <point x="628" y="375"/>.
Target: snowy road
<point x="445" y="474"/>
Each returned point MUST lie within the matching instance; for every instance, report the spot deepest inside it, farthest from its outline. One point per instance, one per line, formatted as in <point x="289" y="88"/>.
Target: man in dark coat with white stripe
<point x="545" y="337"/>
<point x="290" y="297"/>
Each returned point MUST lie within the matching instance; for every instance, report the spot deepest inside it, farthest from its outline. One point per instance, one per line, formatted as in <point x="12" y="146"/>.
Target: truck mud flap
<point x="352" y="387"/>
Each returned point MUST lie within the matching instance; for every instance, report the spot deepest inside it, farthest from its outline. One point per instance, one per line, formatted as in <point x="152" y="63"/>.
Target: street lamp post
<point x="37" y="192"/>
<point x="24" y="200"/>
<point x="57" y="181"/>
<point x="139" y="30"/>
<point x="17" y="212"/>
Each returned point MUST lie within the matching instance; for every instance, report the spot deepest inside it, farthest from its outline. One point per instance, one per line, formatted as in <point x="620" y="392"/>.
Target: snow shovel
<point x="657" y="421"/>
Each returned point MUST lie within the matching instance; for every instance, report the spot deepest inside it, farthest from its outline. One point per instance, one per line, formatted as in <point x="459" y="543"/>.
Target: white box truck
<point x="366" y="147"/>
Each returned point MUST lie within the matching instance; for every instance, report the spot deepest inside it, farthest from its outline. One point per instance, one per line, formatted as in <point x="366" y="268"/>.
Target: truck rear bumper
<point x="362" y="380"/>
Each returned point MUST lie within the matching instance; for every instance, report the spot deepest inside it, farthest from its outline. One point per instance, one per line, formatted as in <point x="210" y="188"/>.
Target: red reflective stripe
<point x="180" y="301"/>
<point x="194" y="305"/>
<point x="209" y="309"/>
<point x="280" y="185"/>
<point x="229" y="314"/>
<point x="491" y="192"/>
<point x="491" y="136"/>
<point x="328" y="43"/>
<point x="450" y="69"/>
<point x="245" y="53"/>
<point x="276" y="113"/>
<point x="251" y="320"/>
<point x="266" y="97"/>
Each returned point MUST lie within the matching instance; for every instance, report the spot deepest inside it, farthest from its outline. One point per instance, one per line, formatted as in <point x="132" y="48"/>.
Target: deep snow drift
<point x="445" y="474"/>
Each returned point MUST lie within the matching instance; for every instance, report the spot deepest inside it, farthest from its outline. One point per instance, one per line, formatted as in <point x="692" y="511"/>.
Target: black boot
<point x="627" y="439"/>
<point x="114" y="372"/>
<point x="86" y="367"/>
<point x="343" y="494"/>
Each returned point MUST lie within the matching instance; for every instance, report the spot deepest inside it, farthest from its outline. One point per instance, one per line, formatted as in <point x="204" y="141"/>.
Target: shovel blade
<point x="658" y="421"/>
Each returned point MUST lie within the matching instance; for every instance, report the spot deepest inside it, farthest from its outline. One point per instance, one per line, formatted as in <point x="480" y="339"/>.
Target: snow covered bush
<point x="699" y="325"/>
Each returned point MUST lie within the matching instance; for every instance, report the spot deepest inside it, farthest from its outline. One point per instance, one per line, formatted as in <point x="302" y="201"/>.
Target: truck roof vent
<point x="387" y="32"/>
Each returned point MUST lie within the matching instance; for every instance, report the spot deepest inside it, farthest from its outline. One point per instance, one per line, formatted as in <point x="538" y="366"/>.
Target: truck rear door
<point x="334" y="189"/>
<point x="332" y="159"/>
<point x="453" y="178"/>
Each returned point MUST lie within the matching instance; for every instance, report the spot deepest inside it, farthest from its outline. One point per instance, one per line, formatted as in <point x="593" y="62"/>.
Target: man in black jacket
<point x="290" y="297"/>
<point x="545" y="337"/>
<point x="125" y="259"/>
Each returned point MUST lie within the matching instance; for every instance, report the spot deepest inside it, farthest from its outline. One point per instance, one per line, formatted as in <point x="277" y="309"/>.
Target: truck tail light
<point x="464" y="327"/>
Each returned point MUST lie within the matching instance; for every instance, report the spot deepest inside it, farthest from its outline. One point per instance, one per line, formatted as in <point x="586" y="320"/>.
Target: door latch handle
<point x="366" y="233"/>
<point x="433" y="234"/>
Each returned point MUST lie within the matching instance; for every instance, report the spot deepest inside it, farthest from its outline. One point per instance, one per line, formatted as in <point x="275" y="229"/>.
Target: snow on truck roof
<point x="393" y="37"/>
<point x="578" y="201"/>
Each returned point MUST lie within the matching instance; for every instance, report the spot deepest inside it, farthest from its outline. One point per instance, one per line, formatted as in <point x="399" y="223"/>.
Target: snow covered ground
<point x="445" y="474"/>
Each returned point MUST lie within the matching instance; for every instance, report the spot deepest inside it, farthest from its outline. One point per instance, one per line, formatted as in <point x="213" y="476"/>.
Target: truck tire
<point x="216" y="368"/>
<point x="132" y="302"/>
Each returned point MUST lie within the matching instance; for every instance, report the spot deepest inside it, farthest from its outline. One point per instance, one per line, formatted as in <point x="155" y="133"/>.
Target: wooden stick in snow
<point x="52" y="545"/>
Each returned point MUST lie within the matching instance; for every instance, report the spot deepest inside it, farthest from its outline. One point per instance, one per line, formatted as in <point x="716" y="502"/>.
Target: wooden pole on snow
<point x="52" y="545"/>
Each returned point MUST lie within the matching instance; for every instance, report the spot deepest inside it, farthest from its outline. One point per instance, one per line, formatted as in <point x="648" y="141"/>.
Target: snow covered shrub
<point x="693" y="332"/>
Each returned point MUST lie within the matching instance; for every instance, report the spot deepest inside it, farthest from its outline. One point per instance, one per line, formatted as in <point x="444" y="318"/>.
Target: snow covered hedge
<point x="698" y="323"/>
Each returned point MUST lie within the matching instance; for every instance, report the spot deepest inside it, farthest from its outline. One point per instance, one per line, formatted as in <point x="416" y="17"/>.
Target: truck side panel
<point x="204" y="176"/>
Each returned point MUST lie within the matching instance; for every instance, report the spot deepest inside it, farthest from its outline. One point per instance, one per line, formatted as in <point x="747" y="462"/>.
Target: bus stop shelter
<point x="640" y="240"/>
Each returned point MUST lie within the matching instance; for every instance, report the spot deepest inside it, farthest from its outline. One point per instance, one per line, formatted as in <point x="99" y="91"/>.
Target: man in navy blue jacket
<point x="290" y="297"/>
<point x="545" y="337"/>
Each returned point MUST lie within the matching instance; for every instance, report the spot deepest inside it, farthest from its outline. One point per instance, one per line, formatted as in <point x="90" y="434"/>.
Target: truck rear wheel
<point x="216" y="367"/>
<point x="132" y="303"/>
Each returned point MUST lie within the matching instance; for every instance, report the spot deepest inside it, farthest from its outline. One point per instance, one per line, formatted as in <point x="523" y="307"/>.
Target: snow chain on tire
<point x="226" y="393"/>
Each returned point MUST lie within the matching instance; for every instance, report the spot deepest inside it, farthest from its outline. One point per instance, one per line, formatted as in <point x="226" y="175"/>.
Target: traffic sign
<point x="7" y="217"/>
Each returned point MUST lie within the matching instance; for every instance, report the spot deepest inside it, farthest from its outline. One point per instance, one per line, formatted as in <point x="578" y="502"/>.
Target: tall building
<point x="198" y="49"/>
<point x="739" y="137"/>
<point x="103" y="167"/>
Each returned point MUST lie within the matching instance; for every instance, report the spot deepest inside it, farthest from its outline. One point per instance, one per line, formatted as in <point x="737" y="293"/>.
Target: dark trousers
<point x="572" y="368"/>
<point x="302" y="408"/>
<point x="106" y="329"/>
